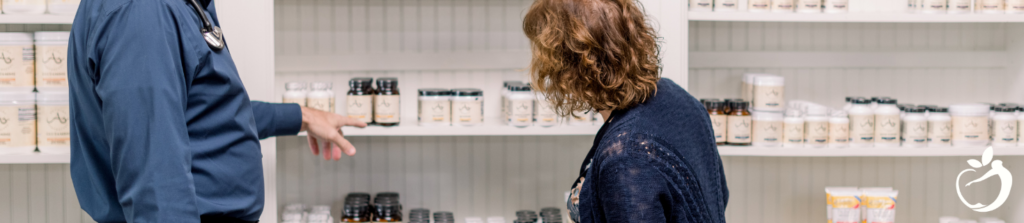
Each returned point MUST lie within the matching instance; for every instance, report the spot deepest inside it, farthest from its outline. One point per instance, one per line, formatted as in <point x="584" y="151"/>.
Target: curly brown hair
<point x="592" y="54"/>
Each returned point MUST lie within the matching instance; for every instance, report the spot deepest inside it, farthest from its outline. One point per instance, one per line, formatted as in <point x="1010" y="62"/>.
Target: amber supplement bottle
<point x="388" y="211"/>
<point x="359" y="99"/>
<point x="739" y="122"/>
<point x="357" y="211"/>
<point x="718" y="120"/>
<point x="386" y="104"/>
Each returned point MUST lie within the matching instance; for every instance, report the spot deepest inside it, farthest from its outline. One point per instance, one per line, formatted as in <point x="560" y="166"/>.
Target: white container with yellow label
<point x="17" y="123"/>
<point x="54" y="135"/>
<point x="970" y="124"/>
<point x="17" y="62"/>
<point x="51" y="61"/>
<point x="543" y="114"/>
<point x="435" y="108"/>
<point x="467" y="107"/>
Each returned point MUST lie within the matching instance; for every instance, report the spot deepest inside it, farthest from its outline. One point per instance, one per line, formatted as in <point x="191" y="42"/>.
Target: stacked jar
<point x="59" y="7"/>
<point x="17" y="73"/>
<point x="387" y="208"/>
<point x="356" y="208"/>
<point x="17" y="122"/>
<point x="419" y="215"/>
<point x="54" y="126"/>
<point x="51" y="61"/>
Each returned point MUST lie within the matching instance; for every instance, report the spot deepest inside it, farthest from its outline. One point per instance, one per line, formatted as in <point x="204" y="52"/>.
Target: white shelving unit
<point x="864" y="152"/>
<point x="36" y="158"/>
<point x="854" y="17"/>
<point x="37" y="19"/>
<point x="489" y="129"/>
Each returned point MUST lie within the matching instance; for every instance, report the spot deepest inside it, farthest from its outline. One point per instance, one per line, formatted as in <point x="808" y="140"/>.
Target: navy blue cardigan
<point x="656" y="162"/>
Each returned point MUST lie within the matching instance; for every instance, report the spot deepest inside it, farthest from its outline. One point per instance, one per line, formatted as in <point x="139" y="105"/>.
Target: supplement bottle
<point x="521" y="106"/>
<point x="505" y="90"/>
<point x="17" y="72"/>
<point x="969" y="124"/>
<point x="701" y="5"/>
<point x="581" y="118"/>
<point x="816" y="127"/>
<point x="769" y="93"/>
<point x="359" y="99"/>
<point x="874" y="102"/>
<point x="960" y="7"/>
<point x="759" y="5"/>
<point x="320" y="97"/>
<point x="727" y="104"/>
<point x="903" y="108"/>
<point x="22" y="7"/>
<point x="739" y="122"/>
<point x="386" y="102"/>
<point x="17" y="122"/>
<point x="1020" y="122"/>
<point x="1014" y="6"/>
<point x="356" y="212"/>
<point x="915" y="128"/>
<point x="862" y="124"/>
<point x="54" y="125"/>
<point x="808" y="6"/>
<point x="51" y="60"/>
<point x="934" y="6"/>
<point x="467" y="107"/>
<point x="767" y="129"/>
<point x="295" y="93"/>
<point x="782" y="6"/>
<point x="839" y="130"/>
<point x="544" y="115"/>
<point x="849" y="103"/>
<point x="887" y="123"/>
<point x="719" y="121"/>
<point x="1004" y="132"/>
<point x="990" y="6"/>
<point x="746" y="87"/>
<point x="62" y="7"/>
<point x="726" y="5"/>
<point x="387" y="211"/>
<point x="793" y="123"/>
<point x="940" y="128"/>
<point x="435" y="107"/>
<point x="837" y="6"/>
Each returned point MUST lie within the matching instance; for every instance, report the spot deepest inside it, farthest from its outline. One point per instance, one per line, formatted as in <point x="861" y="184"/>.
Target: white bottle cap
<point x="769" y="80"/>
<point x="793" y="113"/>
<point x="52" y="96"/>
<point x="320" y="86"/>
<point x="969" y="110"/>
<point x="817" y="110"/>
<point x="52" y="36"/>
<point x="15" y="38"/>
<point x="295" y="86"/>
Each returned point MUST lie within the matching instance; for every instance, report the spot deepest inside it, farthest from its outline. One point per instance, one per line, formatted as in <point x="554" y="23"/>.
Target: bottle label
<point x="839" y="132"/>
<point x="17" y="68"/>
<point x="17" y="126"/>
<point x="359" y="107"/>
<point x="762" y="5"/>
<point x="809" y="4"/>
<point x="386" y="109"/>
<point x="794" y="133"/>
<point x="939" y="131"/>
<point x="768" y="97"/>
<point x="300" y="101"/>
<point x="782" y="5"/>
<point x="434" y="111"/>
<point x="726" y="4"/>
<point x="718" y="125"/>
<point x="960" y="5"/>
<point x="837" y="4"/>
<point x="322" y="104"/>
<point x="862" y="128"/>
<point x="816" y="133"/>
<point x="1013" y="6"/>
<point x="739" y="129"/>
<point x="767" y="131"/>
<point x="579" y="118"/>
<point x="701" y="4"/>
<point x="1004" y="131"/>
<point x="54" y="125"/>
<point x="544" y="114"/>
<point x="887" y="128"/>
<point x="468" y="112"/>
<point x="915" y="133"/>
<point x="990" y="5"/>
<point x="521" y="111"/>
<point x="934" y="5"/>
<point x="51" y="66"/>
<point x="970" y="128"/>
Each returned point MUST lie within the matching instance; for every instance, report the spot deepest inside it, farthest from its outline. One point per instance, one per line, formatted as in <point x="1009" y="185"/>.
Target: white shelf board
<point x="37" y="19"/>
<point x="35" y="158"/>
<point x="854" y="17"/>
<point x="865" y="152"/>
<point x="830" y="59"/>
<point x="490" y="129"/>
<point x="403" y="61"/>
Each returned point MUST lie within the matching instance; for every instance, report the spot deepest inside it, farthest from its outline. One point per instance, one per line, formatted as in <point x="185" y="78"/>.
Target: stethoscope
<point x="211" y="33"/>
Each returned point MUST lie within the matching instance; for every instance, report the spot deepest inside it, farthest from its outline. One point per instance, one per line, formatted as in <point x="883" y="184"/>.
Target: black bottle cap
<point x="938" y="109"/>
<point x="905" y="106"/>
<point x="739" y="105"/>
<point x="861" y="100"/>
<point x="507" y="83"/>
<point x="387" y="82"/>
<point x="849" y="99"/>
<point x="360" y="83"/>
<point x="520" y="87"/>
<point x="1007" y="104"/>
<point x="1006" y="109"/>
<point x="886" y="100"/>
<point x="434" y="92"/>
<point x="915" y="110"/>
<point x="467" y="92"/>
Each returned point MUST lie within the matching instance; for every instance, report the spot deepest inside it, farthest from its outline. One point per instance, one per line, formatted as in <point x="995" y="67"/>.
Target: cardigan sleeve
<point x="631" y="188"/>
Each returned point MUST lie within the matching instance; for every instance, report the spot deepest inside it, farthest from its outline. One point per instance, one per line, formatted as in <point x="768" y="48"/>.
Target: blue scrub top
<point x="163" y="130"/>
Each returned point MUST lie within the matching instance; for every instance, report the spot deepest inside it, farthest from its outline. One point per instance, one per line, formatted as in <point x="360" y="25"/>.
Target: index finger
<point x="346" y="121"/>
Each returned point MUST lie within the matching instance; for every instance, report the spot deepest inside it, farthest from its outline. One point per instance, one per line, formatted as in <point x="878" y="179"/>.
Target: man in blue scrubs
<point x="163" y="129"/>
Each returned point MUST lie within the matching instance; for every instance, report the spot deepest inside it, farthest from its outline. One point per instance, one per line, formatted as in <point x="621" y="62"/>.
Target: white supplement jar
<point x="887" y="123"/>
<point x="808" y="6"/>
<point x="1020" y="122"/>
<point x="726" y="5"/>
<point x="862" y="123"/>
<point x="543" y="114"/>
<point x="701" y="5"/>
<point x="359" y="99"/>
<point x="816" y="127"/>
<point x="504" y="98"/>
<point x="837" y="6"/>
<point x="747" y="87"/>
<point x="17" y="122"/>
<point x="940" y="128"/>
<point x="933" y="6"/>
<point x="769" y="93"/>
<point x="435" y="107"/>
<point x="62" y="7"/>
<point x="520" y="106"/>
<point x="1004" y="127"/>
<point x="759" y="5"/>
<point x="783" y="6"/>
<point x="839" y="130"/>
<point x="793" y="137"/>
<point x="320" y="97"/>
<point x="22" y="7"/>
<point x="1014" y="6"/>
<point x="960" y="7"/>
<point x="17" y="72"/>
<point x="51" y="60"/>
<point x="767" y="129"/>
<point x="54" y="125"/>
<point x="990" y="6"/>
<point x="295" y="93"/>
<point x="915" y="128"/>
<point x="970" y="126"/>
<point x="467" y="107"/>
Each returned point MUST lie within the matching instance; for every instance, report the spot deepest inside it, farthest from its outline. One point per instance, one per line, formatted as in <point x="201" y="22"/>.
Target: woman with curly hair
<point x="654" y="159"/>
